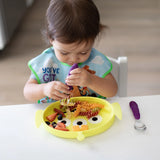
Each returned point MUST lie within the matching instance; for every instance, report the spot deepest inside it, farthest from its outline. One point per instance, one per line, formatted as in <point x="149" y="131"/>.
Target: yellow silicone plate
<point x="105" y="119"/>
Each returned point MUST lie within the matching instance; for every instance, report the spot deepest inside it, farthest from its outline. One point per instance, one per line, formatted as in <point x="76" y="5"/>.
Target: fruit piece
<point x="62" y="129"/>
<point x="80" y="128"/>
<point x="64" y="121"/>
<point x="75" y="128"/>
<point x="54" y="124"/>
<point x="48" y="123"/>
<point x="61" y="126"/>
<point x="52" y="117"/>
<point x="51" y="125"/>
<point x="59" y="112"/>
<point x="84" y="127"/>
<point x="60" y="117"/>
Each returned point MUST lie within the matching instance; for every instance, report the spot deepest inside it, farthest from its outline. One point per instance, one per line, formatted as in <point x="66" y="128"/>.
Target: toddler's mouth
<point x="72" y="63"/>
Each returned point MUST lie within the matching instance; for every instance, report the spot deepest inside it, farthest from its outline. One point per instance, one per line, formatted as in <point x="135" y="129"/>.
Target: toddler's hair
<point x="69" y="21"/>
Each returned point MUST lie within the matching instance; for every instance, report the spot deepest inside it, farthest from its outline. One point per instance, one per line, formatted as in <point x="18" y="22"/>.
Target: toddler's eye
<point x="95" y="119"/>
<point x="64" y="53"/>
<point x="79" y="122"/>
<point x="83" y="53"/>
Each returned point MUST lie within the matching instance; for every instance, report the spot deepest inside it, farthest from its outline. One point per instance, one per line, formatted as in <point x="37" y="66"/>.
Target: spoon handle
<point x="74" y="66"/>
<point x="135" y="109"/>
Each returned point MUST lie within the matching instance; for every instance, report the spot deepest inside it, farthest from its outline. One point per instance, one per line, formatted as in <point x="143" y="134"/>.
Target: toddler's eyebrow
<point x="63" y="51"/>
<point x="70" y="52"/>
<point x="85" y="50"/>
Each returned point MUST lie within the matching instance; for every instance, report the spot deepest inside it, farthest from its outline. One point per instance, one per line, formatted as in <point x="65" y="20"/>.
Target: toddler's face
<point x="72" y="53"/>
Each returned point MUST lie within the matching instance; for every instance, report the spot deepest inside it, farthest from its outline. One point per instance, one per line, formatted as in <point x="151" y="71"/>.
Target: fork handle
<point x="135" y="109"/>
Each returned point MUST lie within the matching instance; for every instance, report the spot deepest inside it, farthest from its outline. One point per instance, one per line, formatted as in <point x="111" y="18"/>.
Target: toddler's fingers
<point x="57" y="98"/>
<point x="74" y="76"/>
<point x="72" y="82"/>
<point x="76" y="71"/>
<point x="57" y="95"/>
<point x="63" y="88"/>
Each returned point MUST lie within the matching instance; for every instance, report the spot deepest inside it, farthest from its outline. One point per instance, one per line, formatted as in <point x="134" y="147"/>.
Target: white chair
<point x="120" y="73"/>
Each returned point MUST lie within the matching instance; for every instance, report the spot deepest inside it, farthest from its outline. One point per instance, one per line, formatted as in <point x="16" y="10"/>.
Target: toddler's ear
<point x="51" y="41"/>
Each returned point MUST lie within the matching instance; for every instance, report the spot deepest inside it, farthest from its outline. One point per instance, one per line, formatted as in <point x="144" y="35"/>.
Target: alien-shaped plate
<point x="96" y="125"/>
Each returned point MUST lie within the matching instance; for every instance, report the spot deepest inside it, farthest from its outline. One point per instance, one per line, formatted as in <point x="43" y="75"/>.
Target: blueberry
<point x="54" y="124"/>
<point x="48" y="123"/>
<point x="64" y="121"/>
<point x="60" y="117"/>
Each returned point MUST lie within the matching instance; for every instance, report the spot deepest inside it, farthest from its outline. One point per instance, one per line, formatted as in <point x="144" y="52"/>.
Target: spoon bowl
<point x="138" y="125"/>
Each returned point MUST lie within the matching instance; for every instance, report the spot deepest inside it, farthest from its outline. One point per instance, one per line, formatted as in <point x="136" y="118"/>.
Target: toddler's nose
<point x="74" y="59"/>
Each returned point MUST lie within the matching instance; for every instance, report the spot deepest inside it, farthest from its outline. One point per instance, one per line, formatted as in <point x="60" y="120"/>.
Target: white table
<point x="21" y="140"/>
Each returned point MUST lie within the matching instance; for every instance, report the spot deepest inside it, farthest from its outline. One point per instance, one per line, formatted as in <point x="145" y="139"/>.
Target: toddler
<point x="71" y="28"/>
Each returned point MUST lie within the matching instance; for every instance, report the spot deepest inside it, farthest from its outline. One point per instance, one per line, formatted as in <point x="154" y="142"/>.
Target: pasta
<point x="87" y="109"/>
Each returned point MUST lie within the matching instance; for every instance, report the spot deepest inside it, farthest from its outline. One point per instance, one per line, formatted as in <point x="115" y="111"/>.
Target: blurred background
<point x="134" y="31"/>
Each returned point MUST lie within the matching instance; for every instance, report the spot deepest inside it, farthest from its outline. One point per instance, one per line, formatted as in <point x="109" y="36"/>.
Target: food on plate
<point x="63" y="114"/>
<point x="52" y="117"/>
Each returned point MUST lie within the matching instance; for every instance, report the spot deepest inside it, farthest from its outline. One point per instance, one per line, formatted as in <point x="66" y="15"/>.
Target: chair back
<point x="120" y="73"/>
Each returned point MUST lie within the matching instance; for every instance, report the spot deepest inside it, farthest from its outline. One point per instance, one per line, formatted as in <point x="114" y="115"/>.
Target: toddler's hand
<point x="79" y="77"/>
<point x="56" y="90"/>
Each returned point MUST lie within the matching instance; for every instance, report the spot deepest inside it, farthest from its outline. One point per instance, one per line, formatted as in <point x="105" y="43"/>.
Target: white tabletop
<point x="21" y="140"/>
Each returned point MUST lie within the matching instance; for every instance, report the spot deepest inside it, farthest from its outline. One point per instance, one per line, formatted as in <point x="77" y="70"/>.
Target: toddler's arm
<point x="55" y="90"/>
<point x="106" y="87"/>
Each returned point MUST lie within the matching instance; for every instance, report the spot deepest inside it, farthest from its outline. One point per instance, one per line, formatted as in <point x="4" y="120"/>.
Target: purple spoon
<point x="138" y="125"/>
<point x="67" y="100"/>
<point x="74" y="66"/>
